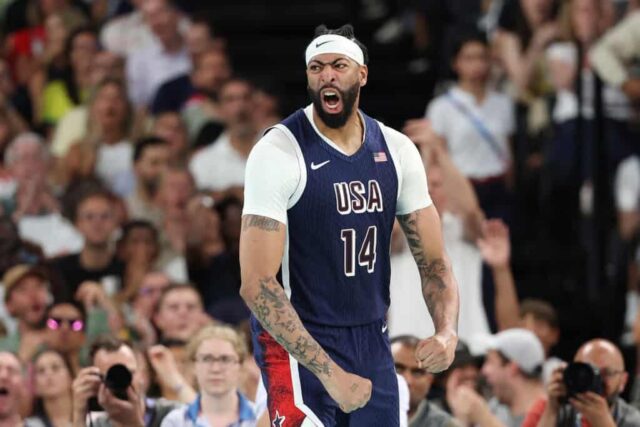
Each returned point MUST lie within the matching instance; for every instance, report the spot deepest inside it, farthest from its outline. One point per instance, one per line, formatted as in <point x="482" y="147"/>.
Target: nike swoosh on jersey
<point x="319" y="165"/>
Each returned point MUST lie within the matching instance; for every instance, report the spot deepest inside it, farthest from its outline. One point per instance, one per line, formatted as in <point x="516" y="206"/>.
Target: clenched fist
<point x="350" y="391"/>
<point x="436" y="353"/>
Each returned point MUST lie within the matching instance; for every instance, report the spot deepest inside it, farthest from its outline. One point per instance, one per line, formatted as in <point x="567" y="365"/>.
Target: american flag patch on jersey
<point x="380" y="156"/>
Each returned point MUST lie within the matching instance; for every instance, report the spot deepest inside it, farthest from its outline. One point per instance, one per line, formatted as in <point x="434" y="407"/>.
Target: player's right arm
<point x="268" y="187"/>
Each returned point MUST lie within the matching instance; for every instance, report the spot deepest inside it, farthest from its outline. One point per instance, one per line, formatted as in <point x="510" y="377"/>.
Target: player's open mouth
<point x="4" y="391"/>
<point x="331" y="100"/>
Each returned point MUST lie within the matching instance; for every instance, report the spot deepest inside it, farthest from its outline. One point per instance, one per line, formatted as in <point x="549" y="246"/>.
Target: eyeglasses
<point x="210" y="359"/>
<point x="415" y="372"/>
<point x="55" y="323"/>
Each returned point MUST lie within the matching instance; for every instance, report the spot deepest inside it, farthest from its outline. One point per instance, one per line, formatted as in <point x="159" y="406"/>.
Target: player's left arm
<point x="439" y="287"/>
<point x="420" y="222"/>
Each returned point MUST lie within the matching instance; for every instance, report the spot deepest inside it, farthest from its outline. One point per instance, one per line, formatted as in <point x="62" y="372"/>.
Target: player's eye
<point x="314" y="68"/>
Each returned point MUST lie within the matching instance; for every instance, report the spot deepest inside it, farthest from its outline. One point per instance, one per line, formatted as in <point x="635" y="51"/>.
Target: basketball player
<point x="322" y="191"/>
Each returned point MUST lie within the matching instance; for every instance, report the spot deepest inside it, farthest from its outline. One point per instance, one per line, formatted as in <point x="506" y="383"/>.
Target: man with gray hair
<point x="32" y="205"/>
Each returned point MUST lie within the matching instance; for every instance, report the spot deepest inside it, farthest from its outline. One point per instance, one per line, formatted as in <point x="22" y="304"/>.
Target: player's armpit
<point x="439" y="288"/>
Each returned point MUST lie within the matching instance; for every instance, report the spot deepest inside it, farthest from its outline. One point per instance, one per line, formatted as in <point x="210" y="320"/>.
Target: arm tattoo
<point x="433" y="272"/>
<point x="261" y="222"/>
<point x="276" y="314"/>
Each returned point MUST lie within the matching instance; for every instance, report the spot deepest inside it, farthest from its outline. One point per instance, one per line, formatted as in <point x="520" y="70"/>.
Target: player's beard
<point x="348" y="97"/>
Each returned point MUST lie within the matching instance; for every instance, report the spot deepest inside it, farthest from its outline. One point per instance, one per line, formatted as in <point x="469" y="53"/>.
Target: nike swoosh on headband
<point x="325" y="42"/>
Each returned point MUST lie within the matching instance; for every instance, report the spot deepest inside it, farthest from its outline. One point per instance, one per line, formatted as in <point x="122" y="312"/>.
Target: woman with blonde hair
<point x="105" y="152"/>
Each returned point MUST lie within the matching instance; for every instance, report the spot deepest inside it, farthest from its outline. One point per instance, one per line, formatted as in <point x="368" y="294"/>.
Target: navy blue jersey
<point x="336" y="266"/>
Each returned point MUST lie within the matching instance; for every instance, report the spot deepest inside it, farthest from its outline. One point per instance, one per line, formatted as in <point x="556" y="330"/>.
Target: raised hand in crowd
<point x="494" y="244"/>
<point x="92" y="295"/>
<point x="172" y="383"/>
<point x="495" y="247"/>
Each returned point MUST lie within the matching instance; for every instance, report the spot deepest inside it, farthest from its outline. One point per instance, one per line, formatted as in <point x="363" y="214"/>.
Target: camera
<point x="117" y="380"/>
<point x="581" y="378"/>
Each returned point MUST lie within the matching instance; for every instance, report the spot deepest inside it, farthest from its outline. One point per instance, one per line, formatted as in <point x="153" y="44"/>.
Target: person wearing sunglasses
<point x="70" y="330"/>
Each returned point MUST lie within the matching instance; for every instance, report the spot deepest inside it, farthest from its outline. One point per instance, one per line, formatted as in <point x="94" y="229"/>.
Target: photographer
<point x="567" y="402"/>
<point x="132" y="408"/>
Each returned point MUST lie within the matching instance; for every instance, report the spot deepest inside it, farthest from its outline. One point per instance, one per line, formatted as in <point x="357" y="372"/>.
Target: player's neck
<point x="348" y="137"/>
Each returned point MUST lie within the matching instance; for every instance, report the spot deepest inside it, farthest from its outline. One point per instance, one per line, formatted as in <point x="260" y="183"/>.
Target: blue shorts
<point x="297" y="398"/>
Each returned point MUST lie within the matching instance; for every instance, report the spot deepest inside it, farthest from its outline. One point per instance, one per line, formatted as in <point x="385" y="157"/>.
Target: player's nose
<point x="328" y="75"/>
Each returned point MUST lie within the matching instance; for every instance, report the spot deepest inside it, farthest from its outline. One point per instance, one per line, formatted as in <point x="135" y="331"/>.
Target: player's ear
<point x="364" y="74"/>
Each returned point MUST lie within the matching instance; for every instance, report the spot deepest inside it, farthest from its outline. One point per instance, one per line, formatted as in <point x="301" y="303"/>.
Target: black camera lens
<point x="117" y="380"/>
<point x="581" y="378"/>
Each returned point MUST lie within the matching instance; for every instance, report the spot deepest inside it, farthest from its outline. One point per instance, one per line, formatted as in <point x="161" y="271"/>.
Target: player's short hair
<point x="344" y="31"/>
<point x="541" y="311"/>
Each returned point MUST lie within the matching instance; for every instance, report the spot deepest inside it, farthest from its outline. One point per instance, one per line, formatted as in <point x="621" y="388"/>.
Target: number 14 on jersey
<point x="366" y="254"/>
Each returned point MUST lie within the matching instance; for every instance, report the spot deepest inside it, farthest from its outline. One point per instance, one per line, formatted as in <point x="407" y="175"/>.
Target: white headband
<point x="333" y="43"/>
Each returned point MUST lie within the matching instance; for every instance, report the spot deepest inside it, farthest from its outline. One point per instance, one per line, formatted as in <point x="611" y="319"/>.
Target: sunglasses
<point x="55" y="323"/>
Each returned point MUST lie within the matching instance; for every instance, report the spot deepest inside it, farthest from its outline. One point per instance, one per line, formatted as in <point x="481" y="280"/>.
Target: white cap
<point x="333" y="43"/>
<point x="522" y="347"/>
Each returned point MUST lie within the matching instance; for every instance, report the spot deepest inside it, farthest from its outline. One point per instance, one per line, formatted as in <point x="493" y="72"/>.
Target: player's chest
<point x="366" y="185"/>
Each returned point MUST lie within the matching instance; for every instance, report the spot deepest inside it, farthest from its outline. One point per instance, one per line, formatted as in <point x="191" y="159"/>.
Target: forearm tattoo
<point x="276" y="314"/>
<point x="434" y="274"/>
<point x="261" y="222"/>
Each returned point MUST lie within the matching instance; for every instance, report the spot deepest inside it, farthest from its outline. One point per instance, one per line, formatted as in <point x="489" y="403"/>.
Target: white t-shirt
<point x="113" y="163"/>
<point x="470" y="151"/>
<point x="129" y="34"/>
<point x="55" y="235"/>
<point x="615" y="102"/>
<point x="218" y="166"/>
<point x="276" y="173"/>
<point x="627" y="185"/>
<point x="148" y="69"/>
